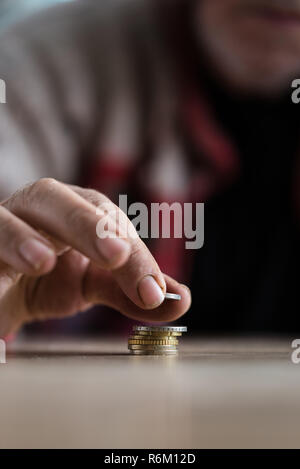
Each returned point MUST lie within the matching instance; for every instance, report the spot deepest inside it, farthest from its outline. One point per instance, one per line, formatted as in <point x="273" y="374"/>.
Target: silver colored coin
<point x="160" y="328"/>
<point x="151" y="347"/>
<point x="172" y="296"/>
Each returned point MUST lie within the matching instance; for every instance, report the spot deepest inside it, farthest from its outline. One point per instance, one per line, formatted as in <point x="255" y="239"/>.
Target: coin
<point x="153" y="337"/>
<point x="172" y="296"/>
<point x="152" y="347"/>
<point x="160" y="328"/>
<point x="151" y="352"/>
<point x="157" y="334"/>
<point x="153" y="342"/>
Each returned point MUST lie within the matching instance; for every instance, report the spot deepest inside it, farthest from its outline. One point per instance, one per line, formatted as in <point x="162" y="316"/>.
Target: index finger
<point x="66" y="213"/>
<point x="139" y="276"/>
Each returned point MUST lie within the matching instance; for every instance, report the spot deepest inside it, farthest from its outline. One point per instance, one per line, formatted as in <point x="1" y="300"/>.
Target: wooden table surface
<point x="92" y="394"/>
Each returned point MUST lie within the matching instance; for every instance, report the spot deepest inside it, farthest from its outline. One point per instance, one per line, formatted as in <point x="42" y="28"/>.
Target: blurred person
<point x="186" y="101"/>
<point x="13" y="10"/>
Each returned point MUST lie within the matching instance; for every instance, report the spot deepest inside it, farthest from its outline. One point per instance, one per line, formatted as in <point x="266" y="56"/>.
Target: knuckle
<point x="47" y="181"/>
<point x="134" y="266"/>
<point x="78" y="218"/>
<point x="24" y="197"/>
<point x="136" y="250"/>
<point x="33" y="193"/>
<point x="16" y="198"/>
<point x="42" y="185"/>
<point x="94" y="197"/>
<point x="37" y="191"/>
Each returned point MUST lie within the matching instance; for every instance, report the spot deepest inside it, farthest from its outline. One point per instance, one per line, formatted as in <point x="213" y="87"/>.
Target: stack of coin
<point x="155" y="340"/>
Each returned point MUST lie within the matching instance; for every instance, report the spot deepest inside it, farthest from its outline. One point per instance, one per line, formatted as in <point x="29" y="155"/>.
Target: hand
<point x="53" y="264"/>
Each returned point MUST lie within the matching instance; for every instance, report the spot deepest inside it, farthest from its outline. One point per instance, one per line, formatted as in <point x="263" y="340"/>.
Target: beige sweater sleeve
<point x="74" y="80"/>
<point x="53" y="68"/>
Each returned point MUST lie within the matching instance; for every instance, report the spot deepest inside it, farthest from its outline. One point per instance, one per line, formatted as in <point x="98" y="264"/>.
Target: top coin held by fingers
<point x="172" y="296"/>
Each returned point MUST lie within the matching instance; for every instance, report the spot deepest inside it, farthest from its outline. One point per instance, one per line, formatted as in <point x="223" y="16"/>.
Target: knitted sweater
<point x="84" y="79"/>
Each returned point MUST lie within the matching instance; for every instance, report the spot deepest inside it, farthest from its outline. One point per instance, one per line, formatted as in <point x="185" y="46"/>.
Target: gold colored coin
<point x="151" y="347"/>
<point x="151" y="337"/>
<point x="152" y="342"/>
<point x="155" y="340"/>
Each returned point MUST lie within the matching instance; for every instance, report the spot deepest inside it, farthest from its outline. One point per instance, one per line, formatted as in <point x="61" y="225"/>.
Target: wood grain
<point x="92" y="394"/>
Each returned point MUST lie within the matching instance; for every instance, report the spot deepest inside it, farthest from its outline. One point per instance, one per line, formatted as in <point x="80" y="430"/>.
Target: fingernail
<point x="187" y="288"/>
<point x="35" y="252"/>
<point x="150" y="292"/>
<point x="113" y="250"/>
